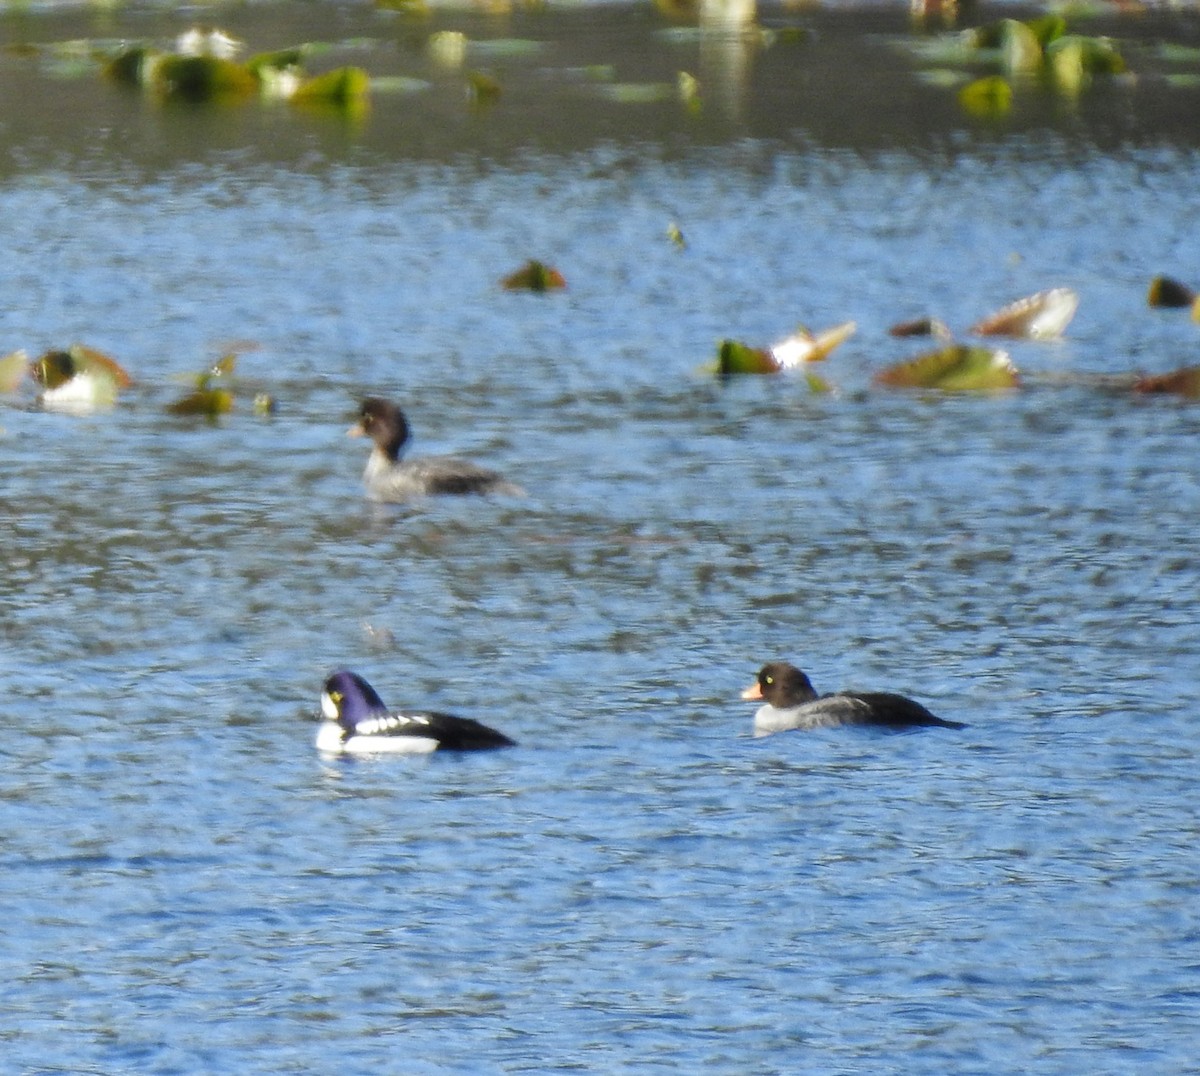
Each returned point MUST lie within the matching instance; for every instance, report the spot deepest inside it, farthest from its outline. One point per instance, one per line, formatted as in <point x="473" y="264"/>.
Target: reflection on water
<point x="189" y="887"/>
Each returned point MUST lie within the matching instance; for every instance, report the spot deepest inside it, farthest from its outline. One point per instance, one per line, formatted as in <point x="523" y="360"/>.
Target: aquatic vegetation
<point x="986" y="97"/>
<point x="534" y="276"/>
<point x="13" y="368"/>
<point x="954" y="368"/>
<point x="210" y="395"/>
<point x="926" y="326"/>
<point x="1182" y="382"/>
<point x="791" y="353"/>
<point x="1039" y="317"/>
<point x="345" y="89"/>
<point x="1168" y="292"/>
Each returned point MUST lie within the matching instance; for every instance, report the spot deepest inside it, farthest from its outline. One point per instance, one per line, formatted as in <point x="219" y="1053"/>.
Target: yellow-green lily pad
<point x="955" y="368"/>
<point x="987" y="97"/>
<point x="534" y="276"/>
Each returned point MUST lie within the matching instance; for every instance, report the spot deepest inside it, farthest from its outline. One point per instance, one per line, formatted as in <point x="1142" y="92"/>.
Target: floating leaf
<point x="737" y="358"/>
<point x="264" y="403"/>
<point x="207" y="402"/>
<point x="346" y="89"/>
<point x="1183" y="382"/>
<point x="921" y="327"/>
<point x="448" y="47"/>
<point x="135" y="66"/>
<point x="802" y="346"/>
<point x="12" y="370"/>
<point x="201" y="79"/>
<point x="1039" y="317"/>
<point x="986" y="97"/>
<point x="689" y="90"/>
<point x="676" y="236"/>
<point x="1165" y="291"/>
<point x="483" y="88"/>
<point x="636" y="93"/>
<point x="534" y="276"/>
<point x="955" y="368"/>
<point x="1019" y="47"/>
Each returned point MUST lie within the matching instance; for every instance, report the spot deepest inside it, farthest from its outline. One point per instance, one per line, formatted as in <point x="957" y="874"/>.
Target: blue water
<point x="640" y="885"/>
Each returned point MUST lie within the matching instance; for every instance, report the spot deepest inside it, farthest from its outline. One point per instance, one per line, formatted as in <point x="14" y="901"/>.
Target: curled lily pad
<point x="802" y="346"/>
<point x="208" y="402"/>
<point x="483" y="88"/>
<point x="1040" y="317"/>
<point x="676" y="236"/>
<point x="534" y="276"/>
<point x="1183" y="382"/>
<point x="955" y="368"/>
<point x="1019" y="47"/>
<point x="1165" y="291"/>
<point x="737" y="358"/>
<point x="346" y="89"/>
<point x="12" y="370"/>
<point x="926" y="326"/>
<point x="210" y="396"/>
<point x="986" y="97"/>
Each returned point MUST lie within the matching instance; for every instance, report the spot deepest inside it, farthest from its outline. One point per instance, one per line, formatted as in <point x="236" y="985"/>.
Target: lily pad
<point x="1183" y="382"/>
<point x="737" y="358"/>
<point x="210" y="397"/>
<point x="987" y="97"/>
<point x="955" y="368"/>
<point x="1167" y="292"/>
<point x="1039" y="317"/>
<point x="1020" y="48"/>
<point x="927" y="326"/>
<point x="534" y="276"/>
<point x="803" y="347"/>
<point x="13" y="368"/>
<point x="346" y="89"/>
<point x="201" y="79"/>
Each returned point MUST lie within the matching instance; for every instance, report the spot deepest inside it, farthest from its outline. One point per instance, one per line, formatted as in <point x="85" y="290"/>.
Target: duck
<point x="390" y="478"/>
<point x="791" y="702"/>
<point x="356" y="722"/>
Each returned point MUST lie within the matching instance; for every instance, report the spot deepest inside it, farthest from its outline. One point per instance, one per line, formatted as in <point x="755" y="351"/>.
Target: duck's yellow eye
<point x="336" y="696"/>
<point x="769" y="679"/>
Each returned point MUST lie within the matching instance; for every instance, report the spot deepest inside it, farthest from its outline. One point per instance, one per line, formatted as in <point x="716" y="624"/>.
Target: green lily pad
<point x="1020" y="48"/>
<point x="987" y="97"/>
<point x="207" y="402"/>
<point x="956" y="368"/>
<point x="534" y="276"/>
<point x="737" y="358"/>
<point x="346" y="89"/>
<point x="201" y="79"/>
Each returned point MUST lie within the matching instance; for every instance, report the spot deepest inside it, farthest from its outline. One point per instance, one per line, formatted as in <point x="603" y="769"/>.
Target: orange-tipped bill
<point x="356" y="430"/>
<point x="754" y="691"/>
